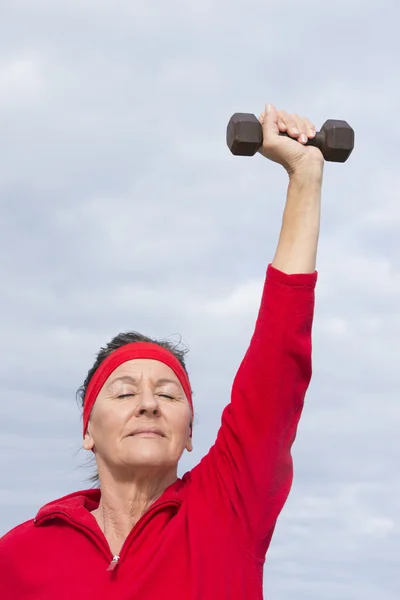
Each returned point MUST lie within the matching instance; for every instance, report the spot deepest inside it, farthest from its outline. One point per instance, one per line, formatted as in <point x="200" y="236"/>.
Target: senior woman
<point x="146" y="534"/>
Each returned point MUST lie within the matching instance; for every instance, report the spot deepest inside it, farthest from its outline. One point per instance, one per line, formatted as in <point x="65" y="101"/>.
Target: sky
<point x="123" y="209"/>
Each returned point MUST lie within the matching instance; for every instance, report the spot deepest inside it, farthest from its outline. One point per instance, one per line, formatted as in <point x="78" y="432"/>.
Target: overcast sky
<point x="122" y="208"/>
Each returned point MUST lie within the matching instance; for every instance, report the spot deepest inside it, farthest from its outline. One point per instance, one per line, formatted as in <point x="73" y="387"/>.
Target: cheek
<point x="181" y="424"/>
<point x="109" y="418"/>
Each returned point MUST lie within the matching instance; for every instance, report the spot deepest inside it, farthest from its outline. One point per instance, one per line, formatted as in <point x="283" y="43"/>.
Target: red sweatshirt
<point x="207" y="536"/>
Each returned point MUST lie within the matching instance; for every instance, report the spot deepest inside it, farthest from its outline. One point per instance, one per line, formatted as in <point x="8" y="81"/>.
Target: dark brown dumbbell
<point x="244" y="137"/>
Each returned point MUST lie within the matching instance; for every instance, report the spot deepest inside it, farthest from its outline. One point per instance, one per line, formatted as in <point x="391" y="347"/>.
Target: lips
<point x="147" y="430"/>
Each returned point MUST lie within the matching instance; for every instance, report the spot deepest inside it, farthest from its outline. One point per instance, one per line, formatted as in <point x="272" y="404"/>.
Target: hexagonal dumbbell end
<point x="244" y="137"/>
<point x="244" y="134"/>
<point x="335" y="140"/>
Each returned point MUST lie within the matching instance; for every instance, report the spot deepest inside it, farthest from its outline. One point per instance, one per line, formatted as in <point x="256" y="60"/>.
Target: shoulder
<point x="17" y="534"/>
<point x="30" y="530"/>
<point x="17" y="545"/>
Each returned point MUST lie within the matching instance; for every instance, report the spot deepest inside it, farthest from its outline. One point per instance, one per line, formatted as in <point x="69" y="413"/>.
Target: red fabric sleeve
<point x="248" y="472"/>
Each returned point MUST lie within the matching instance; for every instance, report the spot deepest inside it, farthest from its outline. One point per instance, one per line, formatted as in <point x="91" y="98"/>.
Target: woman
<point x="145" y="534"/>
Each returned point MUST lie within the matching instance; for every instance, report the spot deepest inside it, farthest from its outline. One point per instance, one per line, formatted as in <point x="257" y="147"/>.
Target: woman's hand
<point x="290" y="152"/>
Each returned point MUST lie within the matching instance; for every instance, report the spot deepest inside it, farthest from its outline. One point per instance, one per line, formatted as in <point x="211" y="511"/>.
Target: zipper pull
<point x="113" y="563"/>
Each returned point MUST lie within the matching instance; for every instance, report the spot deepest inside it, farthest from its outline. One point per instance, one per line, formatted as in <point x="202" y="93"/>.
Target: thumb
<point x="269" y="121"/>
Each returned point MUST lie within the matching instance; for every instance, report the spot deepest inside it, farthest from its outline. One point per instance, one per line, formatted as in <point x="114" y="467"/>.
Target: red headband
<point x="123" y="354"/>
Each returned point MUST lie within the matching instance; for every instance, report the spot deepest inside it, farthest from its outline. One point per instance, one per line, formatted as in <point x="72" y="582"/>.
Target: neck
<point x="123" y="503"/>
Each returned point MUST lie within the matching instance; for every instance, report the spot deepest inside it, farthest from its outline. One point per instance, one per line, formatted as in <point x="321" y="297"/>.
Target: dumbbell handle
<point x="317" y="141"/>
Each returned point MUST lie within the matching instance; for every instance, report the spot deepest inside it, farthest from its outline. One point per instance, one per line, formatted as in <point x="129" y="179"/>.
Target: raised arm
<point x="247" y="474"/>
<point x="298" y="240"/>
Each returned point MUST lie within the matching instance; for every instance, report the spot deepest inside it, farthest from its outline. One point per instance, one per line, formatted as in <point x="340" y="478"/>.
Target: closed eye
<point x="162" y="396"/>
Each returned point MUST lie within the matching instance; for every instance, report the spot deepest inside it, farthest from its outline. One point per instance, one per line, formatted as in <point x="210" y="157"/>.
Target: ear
<point x="189" y="444"/>
<point x="88" y="442"/>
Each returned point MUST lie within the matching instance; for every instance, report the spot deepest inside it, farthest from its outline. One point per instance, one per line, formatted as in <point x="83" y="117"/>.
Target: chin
<point x="143" y="458"/>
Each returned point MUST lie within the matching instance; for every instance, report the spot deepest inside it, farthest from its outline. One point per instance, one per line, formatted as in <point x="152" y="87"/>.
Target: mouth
<point x="147" y="433"/>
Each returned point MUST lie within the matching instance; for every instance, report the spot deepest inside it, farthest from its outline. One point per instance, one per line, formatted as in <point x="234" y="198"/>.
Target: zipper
<point x="115" y="559"/>
<point x="113" y="563"/>
<point x="140" y="525"/>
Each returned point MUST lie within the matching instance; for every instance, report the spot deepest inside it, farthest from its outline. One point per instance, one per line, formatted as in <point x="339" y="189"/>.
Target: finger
<point x="270" y="120"/>
<point x="282" y="126"/>
<point x="301" y="125"/>
<point x="311" y="131"/>
<point x="282" y="116"/>
<point x="289" y="123"/>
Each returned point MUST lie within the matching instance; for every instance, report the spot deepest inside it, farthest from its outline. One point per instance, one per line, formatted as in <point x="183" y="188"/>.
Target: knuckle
<point x="283" y="115"/>
<point x="291" y="122"/>
<point x="310" y="126"/>
<point x="301" y="123"/>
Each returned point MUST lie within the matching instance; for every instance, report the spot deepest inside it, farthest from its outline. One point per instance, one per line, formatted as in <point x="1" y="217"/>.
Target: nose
<point x="147" y="403"/>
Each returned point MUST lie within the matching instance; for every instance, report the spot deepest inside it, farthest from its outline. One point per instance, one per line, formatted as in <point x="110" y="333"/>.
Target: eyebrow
<point x="133" y="380"/>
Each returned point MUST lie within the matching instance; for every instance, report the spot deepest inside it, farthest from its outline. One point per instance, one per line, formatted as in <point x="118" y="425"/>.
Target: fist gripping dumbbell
<point x="244" y="137"/>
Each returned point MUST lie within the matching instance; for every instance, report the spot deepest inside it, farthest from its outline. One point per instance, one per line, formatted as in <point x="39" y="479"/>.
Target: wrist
<point x="307" y="171"/>
<point x="303" y="201"/>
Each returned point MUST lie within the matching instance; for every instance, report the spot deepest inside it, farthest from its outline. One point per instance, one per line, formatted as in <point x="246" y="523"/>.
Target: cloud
<point x="21" y="83"/>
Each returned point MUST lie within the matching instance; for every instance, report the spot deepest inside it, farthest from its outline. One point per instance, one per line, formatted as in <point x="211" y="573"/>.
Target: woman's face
<point x="140" y="394"/>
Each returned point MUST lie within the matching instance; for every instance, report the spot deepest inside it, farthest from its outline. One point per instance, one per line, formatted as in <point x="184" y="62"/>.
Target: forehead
<point x="144" y="368"/>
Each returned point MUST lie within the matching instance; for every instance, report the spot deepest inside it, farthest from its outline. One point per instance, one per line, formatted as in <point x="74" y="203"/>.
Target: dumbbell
<point x="244" y="137"/>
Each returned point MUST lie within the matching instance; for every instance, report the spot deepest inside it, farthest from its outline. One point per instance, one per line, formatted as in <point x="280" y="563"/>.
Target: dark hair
<point x="117" y="342"/>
